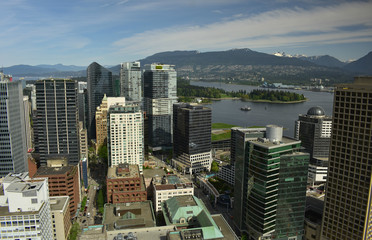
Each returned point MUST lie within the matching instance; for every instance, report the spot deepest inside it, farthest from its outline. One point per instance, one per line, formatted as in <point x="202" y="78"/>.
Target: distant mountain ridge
<point x="362" y="65"/>
<point x="235" y="66"/>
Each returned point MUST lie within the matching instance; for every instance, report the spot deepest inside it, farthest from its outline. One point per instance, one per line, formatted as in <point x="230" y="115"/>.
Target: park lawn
<point x="222" y="125"/>
<point x="225" y="135"/>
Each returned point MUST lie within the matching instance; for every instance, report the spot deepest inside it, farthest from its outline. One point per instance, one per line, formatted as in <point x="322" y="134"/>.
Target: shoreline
<point x="255" y="101"/>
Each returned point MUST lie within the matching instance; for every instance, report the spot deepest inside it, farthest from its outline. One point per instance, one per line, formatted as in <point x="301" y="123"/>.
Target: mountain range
<point x="239" y="65"/>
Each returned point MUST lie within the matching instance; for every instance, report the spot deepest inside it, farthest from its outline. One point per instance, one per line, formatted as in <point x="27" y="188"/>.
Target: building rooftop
<point x="264" y="142"/>
<point x="123" y="171"/>
<point x="4" y="211"/>
<point x="191" y="217"/>
<point x="47" y="171"/>
<point x="316" y="111"/>
<point x="168" y="182"/>
<point x="58" y="203"/>
<point x="128" y="216"/>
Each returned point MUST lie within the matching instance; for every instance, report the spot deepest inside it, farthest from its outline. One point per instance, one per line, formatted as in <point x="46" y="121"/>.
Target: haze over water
<point x="228" y="111"/>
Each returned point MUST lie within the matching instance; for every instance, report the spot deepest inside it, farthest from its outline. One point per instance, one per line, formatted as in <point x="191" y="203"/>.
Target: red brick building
<point x="125" y="184"/>
<point x="63" y="181"/>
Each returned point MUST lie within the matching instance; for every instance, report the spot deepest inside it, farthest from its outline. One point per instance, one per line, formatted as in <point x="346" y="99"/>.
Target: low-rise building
<point x="193" y="221"/>
<point x="25" y="208"/>
<point x="125" y="184"/>
<point x="61" y="220"/>
<point x="227" y="173"/>
<point x="63" y="181"/>
<point x="122" y="216"/>
<point x="169" y="186"/>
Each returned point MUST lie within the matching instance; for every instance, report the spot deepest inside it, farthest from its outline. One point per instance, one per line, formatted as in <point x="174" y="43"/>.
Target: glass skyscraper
<point x="270" y="186"/>
<point x="131" y="82"/>
<point x="13" y="150"/>
<point x="99" y="82"/>
<point x="160" y="93"/>
<point x="192" y="147"/>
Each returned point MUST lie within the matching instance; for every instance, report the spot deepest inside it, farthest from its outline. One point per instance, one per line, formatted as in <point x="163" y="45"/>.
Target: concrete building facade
<point x="63" y="181"/>
<point x="167" y="187"/>
<point x="125" y="184"/>
<point x="125" y="135"/>
<point x="61" y="220"/>
<point x="101" y="118"/>
<point x="348" y="205"/>
<point x="314" y="131"/>
<point x="13" y="148"/>
<point x="57" y="120"/>
<point x="25" y="208"/>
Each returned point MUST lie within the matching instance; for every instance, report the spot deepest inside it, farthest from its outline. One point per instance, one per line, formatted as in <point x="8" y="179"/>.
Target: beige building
<point x="61" y="222"/>
<point x="101" y="118"/>
<point x="347" y="211"/>
<point x="83" y="136"/>
<point x="169" y="186"/>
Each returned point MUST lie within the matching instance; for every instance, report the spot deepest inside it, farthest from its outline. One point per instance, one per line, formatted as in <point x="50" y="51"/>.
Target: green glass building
<point x="270" y="186"/>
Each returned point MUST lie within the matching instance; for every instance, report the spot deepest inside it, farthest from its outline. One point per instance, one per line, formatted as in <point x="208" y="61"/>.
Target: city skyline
<point x="111" y="32"/>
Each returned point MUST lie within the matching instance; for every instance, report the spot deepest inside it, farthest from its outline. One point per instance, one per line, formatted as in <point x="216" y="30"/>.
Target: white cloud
<point x="283" y="27"/>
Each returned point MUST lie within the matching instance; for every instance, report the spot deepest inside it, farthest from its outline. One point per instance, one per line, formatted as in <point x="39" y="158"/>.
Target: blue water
<point x="262" y="114"/>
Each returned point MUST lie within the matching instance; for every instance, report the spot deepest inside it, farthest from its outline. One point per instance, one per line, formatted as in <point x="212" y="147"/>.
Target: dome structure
<point x="316" y="111"/>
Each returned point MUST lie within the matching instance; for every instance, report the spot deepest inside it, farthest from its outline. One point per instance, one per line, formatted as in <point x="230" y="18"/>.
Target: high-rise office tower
<point x="101" y="118"/>
<point x="160" y="93"/>
<point x="192" y="147"/>
<point x="82" y="103"/>
<point x="57" y="120"/>
<point x="131" y="81"/>
<point x="125" y="135"/>
<point x="348" y="210"/>
<point x="99" y="82"/>
<point x="314" y="131"/>
<point x="13" y="150"/>
<point x="270" y="186"/>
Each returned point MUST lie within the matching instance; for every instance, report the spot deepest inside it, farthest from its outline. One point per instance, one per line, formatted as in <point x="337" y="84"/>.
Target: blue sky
<point x="78" y="32"/>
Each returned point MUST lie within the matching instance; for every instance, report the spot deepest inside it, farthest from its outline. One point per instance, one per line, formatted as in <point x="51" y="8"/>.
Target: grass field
<point x="222" y="125"/>
<point x="224" y="135"/>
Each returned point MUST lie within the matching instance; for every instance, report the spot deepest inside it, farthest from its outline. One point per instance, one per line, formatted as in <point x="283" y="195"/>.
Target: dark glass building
<point x="160" y="93"/>
<point x="348" y="202"/>
<point x="192" y="137"/>
<point x="314" y="131"/>
<point x="99" y="82"/>
<point x="270" y="186"/>
<point x="57" y="120"/>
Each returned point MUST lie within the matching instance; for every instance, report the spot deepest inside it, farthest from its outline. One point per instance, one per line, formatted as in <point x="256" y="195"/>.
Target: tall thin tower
<point x="13" y="148"/>
<point x="347" y="212"/>
<point x="99" y="82"/>
<point x="160" y="93"/>
<point x="131" y="81"/>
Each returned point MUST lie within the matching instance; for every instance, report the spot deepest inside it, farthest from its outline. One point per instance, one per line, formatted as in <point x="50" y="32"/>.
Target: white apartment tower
<point x="25" y="208"/>
<point x="131" y="81"/>
<point x="125" y="141"/>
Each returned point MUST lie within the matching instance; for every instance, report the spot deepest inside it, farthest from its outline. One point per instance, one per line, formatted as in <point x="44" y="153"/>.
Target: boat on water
<point x="245" y="108"/>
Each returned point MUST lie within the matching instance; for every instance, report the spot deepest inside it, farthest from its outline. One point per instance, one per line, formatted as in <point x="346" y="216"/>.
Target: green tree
<point x="102" y="153"/>
<point x="100" y="201"/>
<point x="214" y="167"/>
